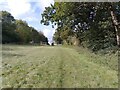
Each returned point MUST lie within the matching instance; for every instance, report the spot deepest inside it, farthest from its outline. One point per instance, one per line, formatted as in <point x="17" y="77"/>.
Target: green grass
<point x="57" y="67"/>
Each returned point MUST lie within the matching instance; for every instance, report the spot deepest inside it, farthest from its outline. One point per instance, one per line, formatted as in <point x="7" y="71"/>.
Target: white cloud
<point x="4" y="5"/>
<point x="44" y="3"/>
<point x="41" y="4"/>
<point x="31" y="19"/>
<point x="18" y="8"/>
<point x="15" y="7"/>
<point x="23" y="7"/>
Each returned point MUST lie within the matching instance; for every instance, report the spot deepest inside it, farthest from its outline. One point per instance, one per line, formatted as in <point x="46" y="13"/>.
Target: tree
<point x="35" y="35"/>
<point x="24" y="31"/>
<point x="115" y="14"/>
<point x="91" y="23"/>
<point x="8" y="28"/>
<point x="18" y="31"/>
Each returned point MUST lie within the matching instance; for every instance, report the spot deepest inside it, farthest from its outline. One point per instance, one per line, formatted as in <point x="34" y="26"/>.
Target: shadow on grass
<point x="11" y="55"/>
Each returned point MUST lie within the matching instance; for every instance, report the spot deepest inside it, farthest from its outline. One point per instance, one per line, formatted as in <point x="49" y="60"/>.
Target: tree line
<point x="95" y="25"/>
<point x="18" y="31"/>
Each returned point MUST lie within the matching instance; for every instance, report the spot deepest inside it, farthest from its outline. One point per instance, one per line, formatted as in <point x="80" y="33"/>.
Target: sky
<point x="30" y="11"/>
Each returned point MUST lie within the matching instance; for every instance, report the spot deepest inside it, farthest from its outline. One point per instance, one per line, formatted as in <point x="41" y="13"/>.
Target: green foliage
<point x="90" y="22"/>
<point x="8" y="28"/>
<point x="24" y="31"/>
<point x="18" y="31"/>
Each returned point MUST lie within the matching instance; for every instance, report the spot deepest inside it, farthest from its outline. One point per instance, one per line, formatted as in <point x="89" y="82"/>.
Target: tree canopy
<point x="18" y="31"/>
<point x="92" y="23"/>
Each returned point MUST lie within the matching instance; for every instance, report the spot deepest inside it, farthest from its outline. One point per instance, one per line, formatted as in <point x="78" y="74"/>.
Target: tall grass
<point x="109" y="60"/>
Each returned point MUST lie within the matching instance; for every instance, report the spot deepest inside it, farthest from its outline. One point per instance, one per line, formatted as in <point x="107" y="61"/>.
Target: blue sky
<point x="30" y="11"/>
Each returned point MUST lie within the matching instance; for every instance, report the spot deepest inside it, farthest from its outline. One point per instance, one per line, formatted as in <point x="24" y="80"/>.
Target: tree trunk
<point x="117" y="28"/>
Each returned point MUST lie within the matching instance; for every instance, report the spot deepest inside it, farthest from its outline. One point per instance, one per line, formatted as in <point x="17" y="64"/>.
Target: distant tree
<point x="24" y="31"/>
<point x="8" y="28"/>
<point x="46" y="40"/>
<point x="18" y="31"/>
<point x="35" y="35"/>
<point x="52" y="44"/>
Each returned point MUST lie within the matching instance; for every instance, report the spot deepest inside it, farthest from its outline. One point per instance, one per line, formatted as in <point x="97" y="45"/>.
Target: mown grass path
<point x="53" y="67"/>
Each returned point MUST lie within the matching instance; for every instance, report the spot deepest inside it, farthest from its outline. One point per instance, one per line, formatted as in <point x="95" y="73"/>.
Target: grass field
<point x="57" y="67"/>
